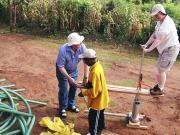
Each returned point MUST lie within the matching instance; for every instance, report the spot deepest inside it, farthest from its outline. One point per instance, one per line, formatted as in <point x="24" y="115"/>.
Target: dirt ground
<point x="33" y="67"/>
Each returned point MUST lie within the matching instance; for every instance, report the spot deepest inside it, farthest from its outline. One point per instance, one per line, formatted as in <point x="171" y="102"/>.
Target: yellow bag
<point x="58" y="126"/>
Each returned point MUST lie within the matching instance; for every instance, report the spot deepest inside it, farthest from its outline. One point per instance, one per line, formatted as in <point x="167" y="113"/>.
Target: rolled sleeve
<point x="61" y="58"/>
<point x="84" y="47"/>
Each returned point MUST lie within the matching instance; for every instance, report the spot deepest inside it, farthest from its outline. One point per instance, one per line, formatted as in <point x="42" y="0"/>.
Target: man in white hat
<point x="96" y="91"/>
<point x="165" y="39"/>
<point x="67" y="72"/>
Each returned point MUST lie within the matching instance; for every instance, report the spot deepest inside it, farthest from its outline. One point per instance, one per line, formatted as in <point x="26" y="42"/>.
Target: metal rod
<point x="2" y="80"/>
<point x="136" y="103"/>
<point x="112" y="114"/>
<point x="7" y="86"/>
<point x="84" y="99"/>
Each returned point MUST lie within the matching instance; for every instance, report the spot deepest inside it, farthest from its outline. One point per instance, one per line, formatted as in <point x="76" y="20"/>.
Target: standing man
<point x="165" y="39"/>
<point x="67" y="72"/>
<point x="96" y="91"/>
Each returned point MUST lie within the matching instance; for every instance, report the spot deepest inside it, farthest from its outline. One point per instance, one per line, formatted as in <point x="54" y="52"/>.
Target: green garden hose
<point x="13" y="121"/>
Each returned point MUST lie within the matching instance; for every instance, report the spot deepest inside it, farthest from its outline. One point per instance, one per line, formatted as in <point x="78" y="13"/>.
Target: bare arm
<point x="86" y="72"/>
<point x="156" y="42"/>
<point x="150" y="41"/>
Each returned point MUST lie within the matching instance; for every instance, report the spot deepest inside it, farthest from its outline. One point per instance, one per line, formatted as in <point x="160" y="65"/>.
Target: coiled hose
<point x="13" y="121"/>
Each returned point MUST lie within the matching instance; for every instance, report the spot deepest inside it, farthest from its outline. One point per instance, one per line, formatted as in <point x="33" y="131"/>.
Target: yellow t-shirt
<point x="98" y="97"/>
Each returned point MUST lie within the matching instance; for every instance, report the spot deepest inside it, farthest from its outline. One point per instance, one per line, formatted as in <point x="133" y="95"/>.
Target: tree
<point x="13" y="10"/>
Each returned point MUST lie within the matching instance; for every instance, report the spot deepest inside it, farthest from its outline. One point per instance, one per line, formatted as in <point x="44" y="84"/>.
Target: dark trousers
<point x="66" y="97"/>
<point x="96" y="121"/>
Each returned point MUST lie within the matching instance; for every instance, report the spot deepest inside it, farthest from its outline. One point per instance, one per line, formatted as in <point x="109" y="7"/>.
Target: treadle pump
<point x="134" y="119"/>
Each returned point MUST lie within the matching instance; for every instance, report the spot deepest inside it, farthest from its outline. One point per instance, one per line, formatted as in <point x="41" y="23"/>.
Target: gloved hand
<point x="80" y="94"/>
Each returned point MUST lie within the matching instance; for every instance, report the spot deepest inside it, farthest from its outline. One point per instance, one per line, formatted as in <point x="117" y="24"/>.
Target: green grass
<point x="106" y="66"/>
<point x="106" y="52"/>
<point x="112" y="103"/>
<point x="128" y="83"/>
<point x="5" y="29"/>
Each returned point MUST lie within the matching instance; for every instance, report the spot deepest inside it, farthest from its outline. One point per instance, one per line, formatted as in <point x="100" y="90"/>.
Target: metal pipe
<point x="113" y="114"/>
<point x="136" y="103"/>
<point x="135" y="110"/>
<point x="2" y="80"/>
<point x="7" y="86"/>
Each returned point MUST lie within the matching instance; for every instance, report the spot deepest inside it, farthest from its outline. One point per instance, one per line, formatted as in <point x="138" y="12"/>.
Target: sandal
<point x="73" y="109"/>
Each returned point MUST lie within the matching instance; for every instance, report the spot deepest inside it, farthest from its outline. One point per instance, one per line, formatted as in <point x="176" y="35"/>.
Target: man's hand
<point x="73" y="82"/>
<point x="143" y="46"/>
<point x="85" y="80"/>
<point x="80" y="94"/>
<point x="146" y="50"/>
<point x="80" y="85"/>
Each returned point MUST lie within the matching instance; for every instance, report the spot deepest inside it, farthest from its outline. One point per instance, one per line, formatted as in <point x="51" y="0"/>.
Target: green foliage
<point x="174" y="11"/>
<point x="92" y="17"/>
<point x="120" y="20"/>
<point x="4" y="13"/>
<point x="147" y="24"/>
<point x="39" y="16"/>
<point x="68" y="14"/>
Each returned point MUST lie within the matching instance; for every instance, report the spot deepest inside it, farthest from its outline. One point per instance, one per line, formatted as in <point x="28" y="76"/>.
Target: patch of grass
<point x="111" y="53"/>
<point x="131" y="83"/>
<point x="128" y="83"/>
<point x="44" y="42"/>
<point x="4" y="28"/>
<point x="112" y="103"/>
<point x="106" y="66"/>
<point x="107" y="52"/>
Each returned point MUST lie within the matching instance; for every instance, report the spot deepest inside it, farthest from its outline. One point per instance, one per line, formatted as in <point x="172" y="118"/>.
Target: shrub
<point x="4" y="13"/>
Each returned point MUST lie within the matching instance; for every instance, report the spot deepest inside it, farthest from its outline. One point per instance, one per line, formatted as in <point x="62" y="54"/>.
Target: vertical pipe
<point x="135" y="110"/>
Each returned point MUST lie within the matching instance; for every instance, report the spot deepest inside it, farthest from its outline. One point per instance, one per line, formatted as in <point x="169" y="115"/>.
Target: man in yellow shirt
<point x="96" y="91"/>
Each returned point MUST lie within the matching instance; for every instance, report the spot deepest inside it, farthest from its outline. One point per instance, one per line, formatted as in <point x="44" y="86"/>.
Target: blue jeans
<point x="66" y="97"/>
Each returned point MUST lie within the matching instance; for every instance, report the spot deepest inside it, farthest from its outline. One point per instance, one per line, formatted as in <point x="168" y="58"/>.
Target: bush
<point x="174" y="12"/>
<point x="4" y="13"/>
<point x="121" y="20"/>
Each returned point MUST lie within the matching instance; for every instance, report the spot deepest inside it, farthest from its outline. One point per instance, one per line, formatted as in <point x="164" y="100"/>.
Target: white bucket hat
<point x="157" y="8"/>
<point x="74" y="39"/>
<point x="89" y="53"/>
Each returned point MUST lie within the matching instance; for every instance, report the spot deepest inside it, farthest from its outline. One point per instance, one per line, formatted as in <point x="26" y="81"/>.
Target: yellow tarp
<point x="57" y="126"/>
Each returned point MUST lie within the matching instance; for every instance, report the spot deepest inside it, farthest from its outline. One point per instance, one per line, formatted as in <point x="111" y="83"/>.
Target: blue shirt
<point x="69" y="59"/>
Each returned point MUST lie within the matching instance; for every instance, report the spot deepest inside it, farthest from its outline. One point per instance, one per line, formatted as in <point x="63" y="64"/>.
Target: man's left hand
<point x="143" y="46"/>
<point x="146" y="50"/>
